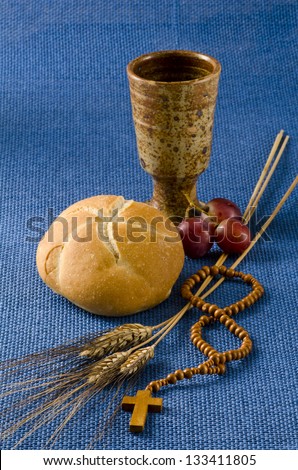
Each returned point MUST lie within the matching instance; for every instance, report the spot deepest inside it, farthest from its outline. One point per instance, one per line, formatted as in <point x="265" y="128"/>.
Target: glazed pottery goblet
<point x="173" y="96"/>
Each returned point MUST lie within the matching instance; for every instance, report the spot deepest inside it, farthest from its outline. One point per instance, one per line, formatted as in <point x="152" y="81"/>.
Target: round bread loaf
<point x="110" y="256"/>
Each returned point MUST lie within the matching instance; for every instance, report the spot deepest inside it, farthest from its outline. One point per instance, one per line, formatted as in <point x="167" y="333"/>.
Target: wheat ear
<point x="120" y="338"/>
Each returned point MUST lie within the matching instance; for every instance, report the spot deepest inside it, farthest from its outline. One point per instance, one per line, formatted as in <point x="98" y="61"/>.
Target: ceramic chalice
<point x="173" y="96"/>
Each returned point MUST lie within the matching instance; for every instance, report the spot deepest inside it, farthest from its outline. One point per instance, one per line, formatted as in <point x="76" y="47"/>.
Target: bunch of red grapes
<point x="220" y="223"/>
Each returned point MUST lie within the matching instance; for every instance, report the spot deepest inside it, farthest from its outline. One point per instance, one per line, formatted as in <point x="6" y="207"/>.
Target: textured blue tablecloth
<point x="66" y="133"/>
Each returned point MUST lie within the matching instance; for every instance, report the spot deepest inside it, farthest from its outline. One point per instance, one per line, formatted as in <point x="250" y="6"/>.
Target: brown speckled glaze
<point x="173" y="96"/>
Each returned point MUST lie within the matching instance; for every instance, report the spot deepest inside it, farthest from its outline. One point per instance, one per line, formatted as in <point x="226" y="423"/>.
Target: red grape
<point x="223" y="209"/>
<point x="195" y="237"/>
<point x="232" y="236"/>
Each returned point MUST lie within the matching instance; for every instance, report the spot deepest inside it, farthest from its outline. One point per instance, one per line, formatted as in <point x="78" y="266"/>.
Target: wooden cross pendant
<point x="140" y="405"/>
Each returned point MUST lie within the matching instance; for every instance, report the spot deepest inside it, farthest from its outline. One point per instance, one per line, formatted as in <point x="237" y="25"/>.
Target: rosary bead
<point x="196" y="331"/>
<point x="203" y="346"/>
<point x="199" y="343"/>
<point x="215" y="358"/>
<point x="208" y="349"/>
<point x="206" y="269"/>
<point x="154" y="386"/>
<point x="212" y="309"/>
<point x="196" y="278"/>
<point x="245" y="352"/>
<point x="222" y="358"/>
<point x="195" y="334"/>
<point x="247" y="278"/>
<point x="186" y="294"/>
<point x="188" y="373"/>
<point x="205" y="307"/>
<point x="185" y="287"/>
<point x="234" y="308"/>
<point x="205" y="320"/>
<point x="172" y="379"/>
<point x="241" y="305"/>
<point x="199" y="303"/>
<point x="214" y="270"/>
<point x="247" y="342"/>
<point x="224" y="318"/>
<point x="234" y="354"/>
<point x="247" y="302"/>
<point x="194" y="337"/>
<point x="222" y="269"/>
<point x="228" y="356"/>
<point x="202" y="274"/>
<point x="218" y="313"/>
<point x="255" y="287"/>
<point x="221" y="368"/>
<point x="203" y="369"/>
<point x="186" y="284"/>
<point x="228" y="311"/>
<point x="253" y="297"/>
<point x="190" y="283"/>
<point x="229" y="322"/>
<point x="233" y="328"/>
<point x="256" y="290"/>
<point x="241" y="354"/>
<point x="243" y="334"/>
<point x="257" y="293"/>
<point x="238" y="330"/>
<point x="179" y="374"/>
<point x="230" y="273"/>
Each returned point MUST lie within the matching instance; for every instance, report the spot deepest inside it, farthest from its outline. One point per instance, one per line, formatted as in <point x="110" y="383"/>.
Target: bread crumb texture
<point x="110" y="256"/>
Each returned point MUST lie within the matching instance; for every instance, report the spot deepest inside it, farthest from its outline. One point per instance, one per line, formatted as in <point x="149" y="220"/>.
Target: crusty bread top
<point x="115" y="267"/>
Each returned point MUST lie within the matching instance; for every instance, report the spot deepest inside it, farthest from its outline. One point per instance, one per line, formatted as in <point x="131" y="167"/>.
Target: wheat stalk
<point x="123" y="337"/>
<point x="137" y="360"/>
<point x="104" y="371"/>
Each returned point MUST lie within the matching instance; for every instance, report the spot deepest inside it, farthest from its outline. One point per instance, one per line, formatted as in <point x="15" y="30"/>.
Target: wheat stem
<point x="174" y="320"/>
<point x="251" y="209"/>
<point x="264" y="172"/>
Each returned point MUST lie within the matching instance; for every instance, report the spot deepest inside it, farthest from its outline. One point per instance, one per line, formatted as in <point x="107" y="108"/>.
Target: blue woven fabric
<point x="66" y="133"/>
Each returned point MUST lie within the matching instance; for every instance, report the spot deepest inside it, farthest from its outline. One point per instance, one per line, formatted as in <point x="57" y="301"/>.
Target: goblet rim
<point x="179" y="53"/>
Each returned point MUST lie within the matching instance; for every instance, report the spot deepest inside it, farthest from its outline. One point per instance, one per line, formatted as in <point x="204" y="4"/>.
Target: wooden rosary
<point x="216" y="363"/>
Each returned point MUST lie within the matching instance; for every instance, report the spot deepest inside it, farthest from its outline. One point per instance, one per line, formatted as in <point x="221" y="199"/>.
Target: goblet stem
<point x="172" y="195"/>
